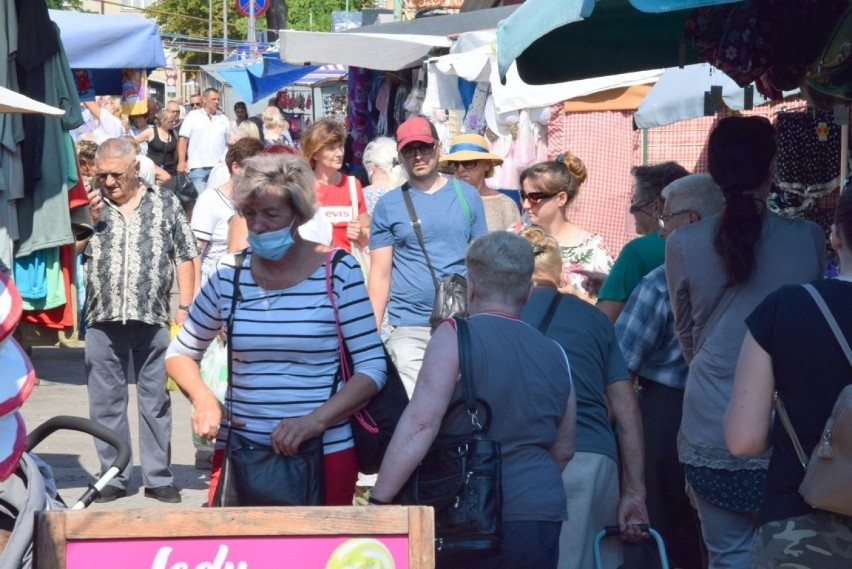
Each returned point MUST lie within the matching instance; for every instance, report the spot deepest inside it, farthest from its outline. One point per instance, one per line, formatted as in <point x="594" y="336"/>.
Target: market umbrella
<point x="553" y="42"/>
<point x="12" y="102"/>
<point x="679" y="95"/>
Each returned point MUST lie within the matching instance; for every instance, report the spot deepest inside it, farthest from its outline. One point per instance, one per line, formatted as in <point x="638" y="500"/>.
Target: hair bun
<point x="574" y="165"/>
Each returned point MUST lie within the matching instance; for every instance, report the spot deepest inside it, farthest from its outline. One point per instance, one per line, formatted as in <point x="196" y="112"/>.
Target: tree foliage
<point x="71" y="5"/>
<point x="190" y="18"/>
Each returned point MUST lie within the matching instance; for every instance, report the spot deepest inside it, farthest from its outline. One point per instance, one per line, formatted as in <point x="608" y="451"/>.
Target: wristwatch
<point x="377" y="502"/>
<point x="183" y="307"/>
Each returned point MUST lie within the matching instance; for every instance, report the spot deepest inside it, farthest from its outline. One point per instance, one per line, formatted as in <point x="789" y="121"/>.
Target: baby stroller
<point x="647" y="554"/>
<point x="32" y="488"/>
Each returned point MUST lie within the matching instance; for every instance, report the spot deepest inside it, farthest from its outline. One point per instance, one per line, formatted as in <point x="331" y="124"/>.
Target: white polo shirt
<point x="208" y="138"/>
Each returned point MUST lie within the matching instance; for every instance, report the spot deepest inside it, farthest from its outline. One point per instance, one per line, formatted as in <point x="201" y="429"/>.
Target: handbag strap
<point x="418" y="231"/>
<point x="715" y="316"/>
<point x="239" y="258"/>
<point x="462" y="201"/>
<point x="466" y="371"/>
<point x="780" y="409"/>
<point x="332" y="258"/>
<point x="544" y="326"/>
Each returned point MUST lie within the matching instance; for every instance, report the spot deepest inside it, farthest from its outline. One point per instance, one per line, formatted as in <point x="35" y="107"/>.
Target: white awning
<point x="384" y="52"/>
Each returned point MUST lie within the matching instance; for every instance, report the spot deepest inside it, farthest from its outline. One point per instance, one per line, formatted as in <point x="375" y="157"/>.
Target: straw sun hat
<point x="470" y="147"/>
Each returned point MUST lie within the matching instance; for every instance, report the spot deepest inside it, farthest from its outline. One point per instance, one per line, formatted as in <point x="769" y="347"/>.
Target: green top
<point x="638" y="258"/>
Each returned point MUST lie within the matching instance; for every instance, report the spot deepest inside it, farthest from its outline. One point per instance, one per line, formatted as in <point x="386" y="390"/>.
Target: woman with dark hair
<point x="808" y="371"/>
<point x="718" y="270"/>
<point x="547" y="191"/>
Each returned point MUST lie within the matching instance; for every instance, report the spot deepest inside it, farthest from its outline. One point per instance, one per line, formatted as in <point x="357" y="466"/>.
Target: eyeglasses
<point x="663" y="220"/>
<point x="423" y="149"/>
<point x="536" y="197"/>
<point x="637" y="207"/>
<point x="195" y="105"/>
<point x="466" y="164"/>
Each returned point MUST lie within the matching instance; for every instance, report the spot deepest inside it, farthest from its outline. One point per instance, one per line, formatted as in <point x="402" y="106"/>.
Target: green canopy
<point x="615" y="38"/>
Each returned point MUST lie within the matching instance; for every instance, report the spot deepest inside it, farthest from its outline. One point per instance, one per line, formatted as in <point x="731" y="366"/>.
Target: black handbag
<point x="254" y="474"/>
<point x="372" y="426"/>
<point x="183" y="188"/>
<point x="450" y="291"/>
<point x="461" y="478"/>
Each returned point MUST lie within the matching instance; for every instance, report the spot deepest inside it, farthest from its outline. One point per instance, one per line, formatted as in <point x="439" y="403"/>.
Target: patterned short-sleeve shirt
<point x="129" y="263"/>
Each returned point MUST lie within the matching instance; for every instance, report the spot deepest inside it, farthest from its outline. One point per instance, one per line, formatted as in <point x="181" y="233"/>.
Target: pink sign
<point x="379" y="552"/>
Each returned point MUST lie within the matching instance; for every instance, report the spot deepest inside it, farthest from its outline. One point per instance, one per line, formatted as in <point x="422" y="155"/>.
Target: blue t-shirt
<point x="446" y="232"/>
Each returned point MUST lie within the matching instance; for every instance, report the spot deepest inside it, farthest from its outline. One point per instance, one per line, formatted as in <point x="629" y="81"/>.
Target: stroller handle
<point x="83" y="425"/>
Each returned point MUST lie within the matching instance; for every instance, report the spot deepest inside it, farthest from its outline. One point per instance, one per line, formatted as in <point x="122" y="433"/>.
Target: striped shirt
<point x="285" y="357"/>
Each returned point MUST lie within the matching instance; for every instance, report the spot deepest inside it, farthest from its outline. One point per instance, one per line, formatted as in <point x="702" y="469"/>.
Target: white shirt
<point x="208" y="138"/>
<point x="146" y="169"/>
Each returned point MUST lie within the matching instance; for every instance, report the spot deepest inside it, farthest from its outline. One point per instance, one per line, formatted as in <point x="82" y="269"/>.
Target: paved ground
<point x="62" y="391"/>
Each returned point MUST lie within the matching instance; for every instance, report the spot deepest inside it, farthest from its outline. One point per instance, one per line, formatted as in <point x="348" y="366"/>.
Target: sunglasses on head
<point x="535" y="197"/>
<point x="467" y="164"/>
<point x="412" y="149"/>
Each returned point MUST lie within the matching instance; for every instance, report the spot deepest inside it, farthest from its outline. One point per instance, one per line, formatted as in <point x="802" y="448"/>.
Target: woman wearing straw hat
<point x="472" y="162"/>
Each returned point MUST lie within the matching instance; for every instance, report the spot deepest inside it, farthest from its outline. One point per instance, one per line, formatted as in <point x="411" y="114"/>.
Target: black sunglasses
<point x="468" y="164"/>
<point x="412" y="149"/>
<point x="637" y="207"/>
<point x="536" y="197"/>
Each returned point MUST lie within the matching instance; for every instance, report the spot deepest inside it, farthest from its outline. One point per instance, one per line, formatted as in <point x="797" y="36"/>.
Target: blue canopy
<point x="94" y="41"/>
<point x="257" y="80"/>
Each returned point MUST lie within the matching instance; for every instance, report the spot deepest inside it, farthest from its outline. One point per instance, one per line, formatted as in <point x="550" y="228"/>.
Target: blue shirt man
<point x="399" y="280"/>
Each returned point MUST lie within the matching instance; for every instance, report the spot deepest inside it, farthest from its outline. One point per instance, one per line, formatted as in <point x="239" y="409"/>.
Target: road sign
<point x="260" y="7"/>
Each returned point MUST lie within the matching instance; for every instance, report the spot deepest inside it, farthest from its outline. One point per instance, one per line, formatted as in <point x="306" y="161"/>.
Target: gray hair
<point x="115" y="148"/>
<point x="382" y="154"/>
<point x="501" y="265"/>
<point x="651" y="179"/>
<point x="288" y="177"/>
<point x="696" y="192"/>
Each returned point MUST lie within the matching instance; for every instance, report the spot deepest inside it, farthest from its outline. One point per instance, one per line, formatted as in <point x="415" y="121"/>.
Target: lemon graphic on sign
<point x="361" y="553"/>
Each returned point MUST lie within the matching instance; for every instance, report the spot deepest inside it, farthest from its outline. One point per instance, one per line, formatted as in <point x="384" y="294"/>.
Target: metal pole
<point x="210" y="33"/>
<point x="252" y="38"/>
<point x="225" y="29"/>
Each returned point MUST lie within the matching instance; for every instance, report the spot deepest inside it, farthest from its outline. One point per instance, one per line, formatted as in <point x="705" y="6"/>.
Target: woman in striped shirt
<point x="284" y="341"/>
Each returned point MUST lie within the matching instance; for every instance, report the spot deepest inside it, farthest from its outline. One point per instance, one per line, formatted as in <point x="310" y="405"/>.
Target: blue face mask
<point x="271" y="245"/>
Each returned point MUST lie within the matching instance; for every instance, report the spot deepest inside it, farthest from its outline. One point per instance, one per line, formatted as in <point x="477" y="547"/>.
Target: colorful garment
<point x="590" y="255"/>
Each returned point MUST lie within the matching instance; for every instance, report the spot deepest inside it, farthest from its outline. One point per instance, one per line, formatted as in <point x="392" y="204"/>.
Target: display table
<point x="391" y="537"/>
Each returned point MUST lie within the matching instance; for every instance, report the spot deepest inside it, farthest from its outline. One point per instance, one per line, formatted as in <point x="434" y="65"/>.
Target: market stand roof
<point x="386" y="47"/>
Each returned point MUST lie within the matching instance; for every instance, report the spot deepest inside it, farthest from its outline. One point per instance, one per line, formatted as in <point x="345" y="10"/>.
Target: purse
<point x="254" y="474"/>
<point x="461" y="478"/>
<point x="826" y="482"/>
<point x="372" y="426"/>
<point x="450" y="291"/>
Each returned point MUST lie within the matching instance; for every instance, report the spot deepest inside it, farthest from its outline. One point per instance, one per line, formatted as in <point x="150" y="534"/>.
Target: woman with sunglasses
<point x="470" y="161"/>
<point x="547" y="191"/>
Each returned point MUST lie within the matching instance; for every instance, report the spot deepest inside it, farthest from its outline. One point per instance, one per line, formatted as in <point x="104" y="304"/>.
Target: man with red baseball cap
<point x="451" y="215"/>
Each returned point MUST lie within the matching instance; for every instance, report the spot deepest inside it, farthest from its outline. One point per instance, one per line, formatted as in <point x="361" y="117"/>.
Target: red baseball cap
<point x="416" y="129"/>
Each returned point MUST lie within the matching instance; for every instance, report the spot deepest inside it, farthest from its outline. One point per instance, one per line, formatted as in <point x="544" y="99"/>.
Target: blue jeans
<point x="525" y="545"/>
<point x="198" y="177"/>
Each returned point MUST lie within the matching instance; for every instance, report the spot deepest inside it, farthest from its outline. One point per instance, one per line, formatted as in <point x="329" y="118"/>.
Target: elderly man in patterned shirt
<point x="645" y="330"/>
<point x="141" y="239"/>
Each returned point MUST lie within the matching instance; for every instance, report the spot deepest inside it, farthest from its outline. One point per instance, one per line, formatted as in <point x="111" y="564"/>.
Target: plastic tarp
<point x="94" y="41"/>
<point x="255" y="80"/>
<point x="383" y="52"/>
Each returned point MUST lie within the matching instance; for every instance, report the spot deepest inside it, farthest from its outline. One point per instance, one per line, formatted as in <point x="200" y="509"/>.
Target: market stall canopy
<point x="473" y="58"/>
<point x="259" y="79"/>
<point x="372" y="51"/>
<point x="13" y="102"/>
<point x="94" y="41"/>
<point x="566" y="40"/>
<point x="679" y="95"/>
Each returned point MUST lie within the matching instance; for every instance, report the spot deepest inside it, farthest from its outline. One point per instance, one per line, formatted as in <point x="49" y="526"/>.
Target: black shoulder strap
<point x="415" y="224"/>
<point x="466" y="370"/>
<point x="239" y="258"/>
<point x="551" y="310"/>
